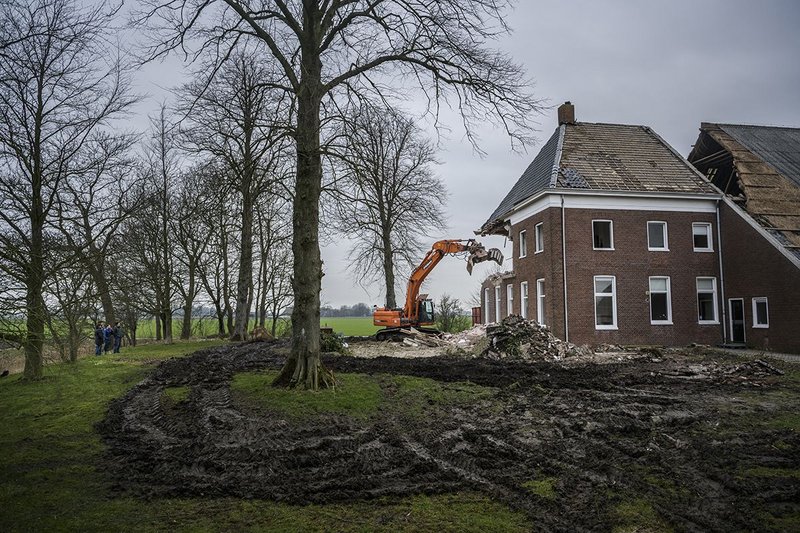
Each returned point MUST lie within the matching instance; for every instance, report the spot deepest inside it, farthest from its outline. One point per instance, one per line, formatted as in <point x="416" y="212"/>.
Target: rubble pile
<point x="467" y="338"/>
<point x="515" y="337"/>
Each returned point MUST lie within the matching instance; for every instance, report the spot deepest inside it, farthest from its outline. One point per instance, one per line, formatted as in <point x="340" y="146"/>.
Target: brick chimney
<point x="566" y="113"/>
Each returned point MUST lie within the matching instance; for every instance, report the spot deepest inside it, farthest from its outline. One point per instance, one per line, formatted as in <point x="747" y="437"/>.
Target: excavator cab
<point x="425" y="312"/>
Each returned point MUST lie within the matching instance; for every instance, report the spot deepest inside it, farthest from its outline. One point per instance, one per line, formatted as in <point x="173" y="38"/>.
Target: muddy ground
<point x="691" y="436"/>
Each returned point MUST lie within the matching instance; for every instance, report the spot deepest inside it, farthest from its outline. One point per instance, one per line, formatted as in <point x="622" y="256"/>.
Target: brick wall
<point x="755" y="268"/>
<point x="630" y="262"/>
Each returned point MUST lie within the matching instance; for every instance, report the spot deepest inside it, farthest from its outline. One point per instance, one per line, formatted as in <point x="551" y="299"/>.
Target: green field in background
<point x="206" y="327"/>
<point x="356" y="326"/>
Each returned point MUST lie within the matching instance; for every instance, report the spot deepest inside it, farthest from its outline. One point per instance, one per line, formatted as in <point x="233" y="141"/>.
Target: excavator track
<point x="397" y="335"/>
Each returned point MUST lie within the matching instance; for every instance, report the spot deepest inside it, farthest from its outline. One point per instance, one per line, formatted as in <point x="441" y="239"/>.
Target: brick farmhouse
<point x="618" y="239"/>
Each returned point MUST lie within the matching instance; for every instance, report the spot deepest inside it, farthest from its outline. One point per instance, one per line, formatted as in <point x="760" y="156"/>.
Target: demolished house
<point x="618" y="239"/>
<point x="757" y="168"/>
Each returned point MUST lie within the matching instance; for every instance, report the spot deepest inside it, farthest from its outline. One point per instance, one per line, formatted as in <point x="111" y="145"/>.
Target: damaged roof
<point x="758" y="167"/>
<point x="607" y="157"/>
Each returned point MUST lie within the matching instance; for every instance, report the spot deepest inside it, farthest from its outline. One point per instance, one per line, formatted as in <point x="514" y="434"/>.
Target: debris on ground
<point x="517" y="338"/>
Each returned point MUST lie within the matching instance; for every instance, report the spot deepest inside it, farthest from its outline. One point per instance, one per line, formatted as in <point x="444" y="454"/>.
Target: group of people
<point x="107" y="338"/>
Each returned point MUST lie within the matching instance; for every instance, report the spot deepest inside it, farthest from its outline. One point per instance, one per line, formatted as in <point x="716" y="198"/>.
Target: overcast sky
<point x="669" y="65"/>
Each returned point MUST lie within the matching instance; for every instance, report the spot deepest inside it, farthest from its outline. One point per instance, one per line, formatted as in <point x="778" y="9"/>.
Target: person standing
<point x="108" y="336"/>
<point x="118" y="333"/>
<point x="99" y="338"/>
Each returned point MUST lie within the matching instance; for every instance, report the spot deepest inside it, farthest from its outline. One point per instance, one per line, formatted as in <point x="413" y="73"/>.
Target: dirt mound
<point x="517" y="338"/>
<point x="600" y="435"/>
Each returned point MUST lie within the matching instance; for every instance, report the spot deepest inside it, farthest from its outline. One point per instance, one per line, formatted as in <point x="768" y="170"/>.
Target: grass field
<point x="51" y="480"/>
<point x="360" y="326"/>
<point x="207" y="327"/>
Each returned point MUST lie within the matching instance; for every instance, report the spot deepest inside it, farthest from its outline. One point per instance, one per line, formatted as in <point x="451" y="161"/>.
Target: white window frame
<point x="497" y="303"/>
<point x="538" y="233"/>
<point x="510" y="299"/>
<point x="613" y="297"/>
<point x="486" y="305"/>
<point x="716" y="304"/>
<point x="756" y="324"/>
<point x="523" y="244"/>
<point x="611" y="233"/>
<point x="668" y="321"/>
<point x="709" y="233"/>
<point x="540" y="301"/>
<point x="523" y="299"/>
<point x="666" y="236"/>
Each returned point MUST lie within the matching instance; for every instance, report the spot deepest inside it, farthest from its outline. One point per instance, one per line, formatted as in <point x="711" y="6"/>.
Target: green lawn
<point x="50" y="454"/>
<point x="206" y="327"/>
<point x="360" y="326"/>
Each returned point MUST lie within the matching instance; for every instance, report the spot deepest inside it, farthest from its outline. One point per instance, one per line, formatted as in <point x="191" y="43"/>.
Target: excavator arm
<point x="395" y="319"/>
<point x="477" y="254"/>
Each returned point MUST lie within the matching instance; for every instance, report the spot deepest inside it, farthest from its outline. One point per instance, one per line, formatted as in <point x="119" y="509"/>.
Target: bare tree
<point x="452" y="318"/>
<point x="192" y="237"/>
<point x="235" y="120"/>
<point x="216" y="267"/>
<point x="70" y="289"/>
<point x="162" y="175"/>
<point x="93" y="205"/>
<point x="329" y="52"/>
<point x="388" y="196"/>
<point x="58" y="89"/>
<point x="273" y="230"/>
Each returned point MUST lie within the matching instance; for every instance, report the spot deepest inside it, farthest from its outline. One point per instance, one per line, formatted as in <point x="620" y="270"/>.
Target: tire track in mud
<point x="603" y="432"/>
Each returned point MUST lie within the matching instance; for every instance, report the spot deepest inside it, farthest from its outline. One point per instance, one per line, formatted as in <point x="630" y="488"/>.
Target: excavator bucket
<point x="481" y="254"/>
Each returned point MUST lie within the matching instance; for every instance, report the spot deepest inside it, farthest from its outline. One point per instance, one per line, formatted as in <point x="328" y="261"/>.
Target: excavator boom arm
<point x="439" y="249"/>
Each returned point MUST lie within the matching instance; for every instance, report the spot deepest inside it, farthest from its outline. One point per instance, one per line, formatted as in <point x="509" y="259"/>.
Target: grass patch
<point x="544" y="488"/>
<point x="355" y="326"/>
<point x="765" y="471"/>
<point x="785" y="421"/>
<point x="350" y="326"/>
<point x="356" y="395"/>
<point x="172" y="396"/>
<point x="418" y="395"/>
<point x="638" y="515"/>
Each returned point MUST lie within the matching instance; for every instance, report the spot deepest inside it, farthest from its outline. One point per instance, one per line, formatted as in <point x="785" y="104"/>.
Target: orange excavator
<point x="418" y="311"/>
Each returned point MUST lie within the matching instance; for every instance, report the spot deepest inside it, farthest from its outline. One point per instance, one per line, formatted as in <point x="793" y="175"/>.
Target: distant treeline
<point x="359" y="309"/>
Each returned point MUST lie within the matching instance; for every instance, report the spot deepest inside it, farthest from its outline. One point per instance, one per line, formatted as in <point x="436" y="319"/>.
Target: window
<point x="605" y="302"/>
<point x="523" y="245"/>
<point x="602" y="235"/>
<point x="707" y="301"/>
<point x="760" y="313"/>
<point x="701" y="235"/>
<point x="660" y="301"/>
<point x="523" y="299"/>
<point x="509" y="299"/>
<point x="657" y="237"/>
<point x="497" y="304"/>
<point x="540" y="301"/>
<point x="486" y="305"/>
<point x="539" y="234"/>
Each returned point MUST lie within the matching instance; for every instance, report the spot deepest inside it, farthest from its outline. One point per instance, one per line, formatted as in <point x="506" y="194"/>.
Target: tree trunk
<point x="158" y="327"/>
<point x="74" y="342"/>
<point x="244" y="282"/>
<point x="388" y="270"/>
<point x="166" y="322"/>
<point x="100" y="281"/>
<point x="186" y="329"/>
<point x="34" y="337"/>
<point x="304" y="367"/>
